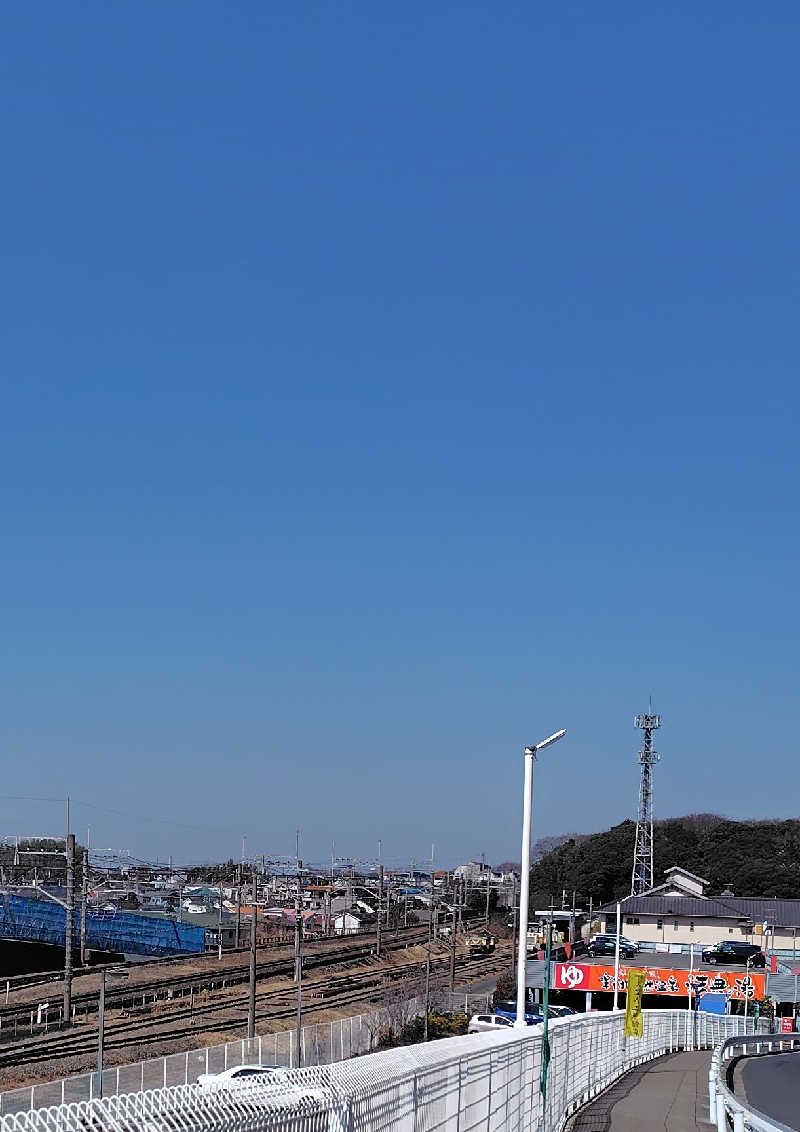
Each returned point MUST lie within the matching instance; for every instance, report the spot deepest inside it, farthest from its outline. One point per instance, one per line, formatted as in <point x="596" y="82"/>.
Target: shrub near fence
<point x="322" y="1044"/>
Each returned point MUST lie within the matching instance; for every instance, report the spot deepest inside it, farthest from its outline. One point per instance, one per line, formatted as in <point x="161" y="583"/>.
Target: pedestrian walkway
<point x="668" y="1095"/>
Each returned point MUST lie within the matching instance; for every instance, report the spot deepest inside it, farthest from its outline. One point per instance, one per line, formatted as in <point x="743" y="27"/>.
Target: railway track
<point x="329" y="951"/>
<point x="46" y="978"/>
<point x="229" y="1014"/>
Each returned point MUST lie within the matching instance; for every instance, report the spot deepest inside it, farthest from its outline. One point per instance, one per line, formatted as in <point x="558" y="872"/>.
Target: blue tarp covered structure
<point x="713" y="1003"/>
<point x="43" y="921"/>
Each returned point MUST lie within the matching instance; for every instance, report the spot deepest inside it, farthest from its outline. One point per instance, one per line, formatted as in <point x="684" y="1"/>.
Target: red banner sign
<point x="660" y="980"/>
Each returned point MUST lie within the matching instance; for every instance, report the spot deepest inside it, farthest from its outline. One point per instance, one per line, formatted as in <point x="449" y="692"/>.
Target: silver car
<point x="483" y="1023"/>
<point x="274" y="1083"/>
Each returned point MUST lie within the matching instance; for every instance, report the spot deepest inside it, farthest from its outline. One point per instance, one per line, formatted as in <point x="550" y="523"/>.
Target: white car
<point x="269" y="1081"/>
<point x="485" y="1023"/>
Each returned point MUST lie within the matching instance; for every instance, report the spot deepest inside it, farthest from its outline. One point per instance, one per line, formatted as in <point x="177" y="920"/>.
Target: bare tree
<point x="402" y="1001"/>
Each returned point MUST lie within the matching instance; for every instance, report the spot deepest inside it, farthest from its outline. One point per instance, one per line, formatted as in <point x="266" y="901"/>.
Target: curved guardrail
<point x="724" y="1104"/>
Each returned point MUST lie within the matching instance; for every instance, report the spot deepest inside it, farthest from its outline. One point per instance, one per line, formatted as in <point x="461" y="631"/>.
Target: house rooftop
<point x="685" y="873"/>
<point x="756" y="909"/>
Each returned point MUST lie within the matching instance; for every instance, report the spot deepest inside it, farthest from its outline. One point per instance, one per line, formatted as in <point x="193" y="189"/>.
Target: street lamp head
<point x="546" y="742"/>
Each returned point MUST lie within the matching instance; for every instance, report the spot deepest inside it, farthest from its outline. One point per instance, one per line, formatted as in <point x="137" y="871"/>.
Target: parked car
<point x="506" y="1008"/>
<point x="732" y="951"/>
<point x="483" y="1023"/>
<point x="607" y="945"/>
<point x="271" y="1081"/>
<point x="560" y="1011"/>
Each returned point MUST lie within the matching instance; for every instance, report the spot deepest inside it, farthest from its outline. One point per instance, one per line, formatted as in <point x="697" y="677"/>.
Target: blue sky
<point x="384" y="388"/>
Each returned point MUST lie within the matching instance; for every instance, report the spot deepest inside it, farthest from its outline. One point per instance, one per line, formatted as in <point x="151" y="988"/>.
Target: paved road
<point x="669" y="1094"/>
<point x="772" y="1085"/>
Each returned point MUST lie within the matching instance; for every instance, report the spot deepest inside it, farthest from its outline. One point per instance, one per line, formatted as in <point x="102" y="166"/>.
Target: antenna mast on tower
<point x="642" y="877"/>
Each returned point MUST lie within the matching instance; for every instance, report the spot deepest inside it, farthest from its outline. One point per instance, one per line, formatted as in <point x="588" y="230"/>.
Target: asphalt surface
<point x="669" y="1094"/>
<point x="772" y="1085"/>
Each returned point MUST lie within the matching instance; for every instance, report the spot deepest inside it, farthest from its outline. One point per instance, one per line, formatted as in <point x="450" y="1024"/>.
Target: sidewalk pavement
<point x="669" y="1094"/>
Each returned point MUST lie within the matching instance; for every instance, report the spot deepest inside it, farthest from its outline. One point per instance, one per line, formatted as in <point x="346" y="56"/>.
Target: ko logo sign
<point x="571" y="976"/>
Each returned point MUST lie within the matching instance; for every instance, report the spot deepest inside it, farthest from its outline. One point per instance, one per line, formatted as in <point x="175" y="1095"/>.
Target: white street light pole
<point x="746" y="989"/>
<point x="616" y="957"/>
<point x="524" y="889"/>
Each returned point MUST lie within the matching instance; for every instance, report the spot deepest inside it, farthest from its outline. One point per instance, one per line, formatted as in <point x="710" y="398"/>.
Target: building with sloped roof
<point x="679" y="912"/>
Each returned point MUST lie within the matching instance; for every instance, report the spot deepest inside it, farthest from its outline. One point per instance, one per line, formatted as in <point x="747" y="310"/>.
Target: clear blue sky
<point x="385" y="386"/>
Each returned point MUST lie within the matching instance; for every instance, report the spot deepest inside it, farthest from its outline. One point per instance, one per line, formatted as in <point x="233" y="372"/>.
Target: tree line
<point x="38" y="859"/>
<point x="748" y="858"/>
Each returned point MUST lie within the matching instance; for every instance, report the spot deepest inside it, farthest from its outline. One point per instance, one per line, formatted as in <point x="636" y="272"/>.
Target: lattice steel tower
<point x="642" y="877"/>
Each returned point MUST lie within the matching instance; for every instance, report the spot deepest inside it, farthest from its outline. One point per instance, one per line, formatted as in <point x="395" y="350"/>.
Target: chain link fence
<point x="322" y="1043"/>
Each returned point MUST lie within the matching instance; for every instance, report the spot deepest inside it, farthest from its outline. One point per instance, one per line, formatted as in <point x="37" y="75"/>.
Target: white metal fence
<point x="322" y="1044"/>
<point x="723" y="1103"/>
<point x="486" y="1081"/>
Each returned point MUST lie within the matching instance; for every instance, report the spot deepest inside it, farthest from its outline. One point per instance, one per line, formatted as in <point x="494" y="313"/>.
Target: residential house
<point x="679" y="912"/>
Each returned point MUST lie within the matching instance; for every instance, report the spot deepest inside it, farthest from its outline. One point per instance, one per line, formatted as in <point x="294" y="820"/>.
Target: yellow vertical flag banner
<point x="633" y="1006"/>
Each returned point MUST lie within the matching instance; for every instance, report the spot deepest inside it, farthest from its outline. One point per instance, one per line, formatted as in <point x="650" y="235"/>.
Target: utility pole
<point x="434" y="915"/>
<point x="453" y="954"/>
<point x="545" y="1008"/>
<point x="380" y="909"/>
<point x="84" y="900"/>
<point x="101" y="1022"/>
<point x="488" y="887"/>
<point x="219" y="924"/>
<point x="251" y="1007"/>
<point x="239" y="908"/>
<point x="298" y="966"/>
<point x="427" y="982"/>
<point x="67" y="1016"/>
<point x="298" y="909"/>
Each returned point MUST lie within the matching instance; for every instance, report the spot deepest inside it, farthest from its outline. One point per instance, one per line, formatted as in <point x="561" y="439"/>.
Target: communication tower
<point x="642" y="876"/>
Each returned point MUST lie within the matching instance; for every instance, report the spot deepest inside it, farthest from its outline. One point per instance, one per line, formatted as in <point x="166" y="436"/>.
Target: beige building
<point x="679" y="912"/>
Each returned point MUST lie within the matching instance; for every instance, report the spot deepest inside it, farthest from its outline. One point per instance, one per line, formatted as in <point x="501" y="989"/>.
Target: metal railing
<point x="322" y="1043"/>
<point x="722" y="1101"/>
<point x="487" y="1081"/>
